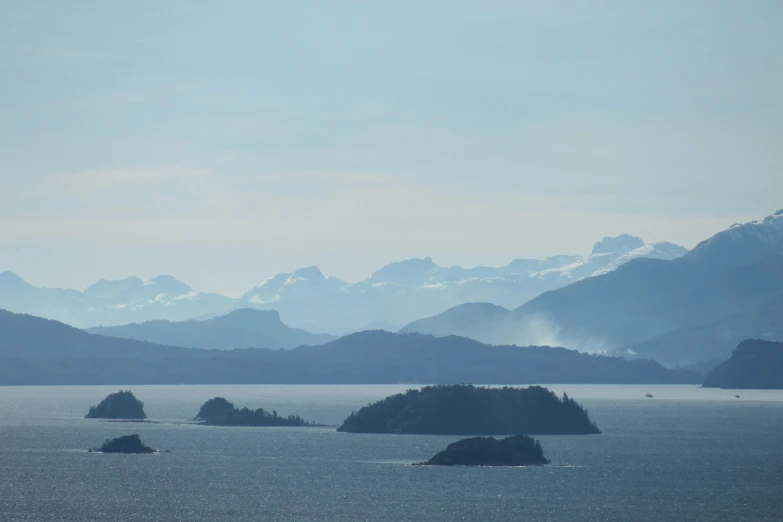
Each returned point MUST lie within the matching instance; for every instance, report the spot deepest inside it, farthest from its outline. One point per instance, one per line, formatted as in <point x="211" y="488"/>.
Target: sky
<point x="224" y="142"/>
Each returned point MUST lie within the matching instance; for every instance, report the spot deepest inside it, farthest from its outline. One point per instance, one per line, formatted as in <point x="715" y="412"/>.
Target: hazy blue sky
<point x="223" y="142"/>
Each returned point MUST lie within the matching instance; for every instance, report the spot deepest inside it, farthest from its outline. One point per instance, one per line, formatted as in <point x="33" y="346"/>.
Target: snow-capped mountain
<point x="134" y="289"/>
<point x="304" y="281"/>
<point x="305" y="298"/>
<point x="740" y="243"/>
<point x="676" y="311"/>
<point x="406" y="290"/>
<point x="110" y="303"/>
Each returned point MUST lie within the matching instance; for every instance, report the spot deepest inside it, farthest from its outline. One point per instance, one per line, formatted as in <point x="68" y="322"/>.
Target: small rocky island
<point x="124" y="444"/>
<point x="517" y="450"/>
<point x="121" y="405"/>
<point x="465" y="409"/>
<point x="220" y="412"/>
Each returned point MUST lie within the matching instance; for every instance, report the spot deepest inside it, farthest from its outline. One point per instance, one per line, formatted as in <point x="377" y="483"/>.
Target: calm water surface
<point x="685" y="454"/>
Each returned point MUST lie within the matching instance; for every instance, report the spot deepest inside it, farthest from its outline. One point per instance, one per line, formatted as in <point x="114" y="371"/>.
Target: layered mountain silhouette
<point x="389" y="298"/>
<point x="401" y="292"/>
<point x="678" y="311"/>
<point x="718" y="337"/>
<point x="243" y="328"/>
<point x="41" y="351"/>
<point x="27" y="338"/>
<point x="112" y="302"/>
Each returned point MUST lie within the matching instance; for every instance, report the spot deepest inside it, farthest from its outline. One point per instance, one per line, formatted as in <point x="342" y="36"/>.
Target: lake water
<point x="685" y="454"/>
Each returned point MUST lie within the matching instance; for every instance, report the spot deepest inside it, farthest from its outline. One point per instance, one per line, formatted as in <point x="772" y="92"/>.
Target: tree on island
<point x="516" y="450"/>
<point x="463" y="409"/>
<point x="220" y="412"/>
<point x="120" y="405"/>
<point x="124" y="444"/>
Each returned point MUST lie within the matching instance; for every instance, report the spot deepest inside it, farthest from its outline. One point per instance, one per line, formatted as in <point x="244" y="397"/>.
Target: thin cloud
<point x="125" y="176"/>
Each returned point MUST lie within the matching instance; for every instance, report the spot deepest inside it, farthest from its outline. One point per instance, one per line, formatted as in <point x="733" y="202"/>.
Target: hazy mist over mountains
<point x="627" y="297"/>
<point x="41" y="351"/>
<point x="315" y="244"/>
<point x="681" y="311"/>
<point x="305" y="298"/>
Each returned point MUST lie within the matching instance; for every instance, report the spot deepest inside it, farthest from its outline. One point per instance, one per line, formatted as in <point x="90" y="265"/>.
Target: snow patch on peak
<point x="256" y="300"/>
<point x="775" y="219"/>
<point x="769" y="229"/>
<point x="190" y="295"/>
<point x="652" y="250"/>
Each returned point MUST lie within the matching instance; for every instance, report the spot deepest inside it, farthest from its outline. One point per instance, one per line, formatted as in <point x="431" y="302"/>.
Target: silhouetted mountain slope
<point x="737" y="270"/>
<point x="754" y="364"/>
<point x="717" y="338"/>
<point x="28" y="337"/>
<point x="472" y="315"/>
<point x="739" y="244"/>
<point x="37" y="351"/>
<point x="21" y="297"/>
<point x="243" y="328"/>
<point x="647" y="298"/>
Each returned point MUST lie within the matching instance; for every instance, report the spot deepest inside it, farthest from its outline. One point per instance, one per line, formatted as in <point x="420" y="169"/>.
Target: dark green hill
<point x="471" y="410"/>
<point x="29" y="337"/>
<point x="754" y="364"/>
<point x="38" y="351"/>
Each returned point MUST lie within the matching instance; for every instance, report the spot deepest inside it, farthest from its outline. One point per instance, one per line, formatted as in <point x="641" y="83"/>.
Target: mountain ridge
<point x="240" y="328"/>
<point x="42" y="351"/>
<point x="732" y="271"/>
<point x="393" y="295"/>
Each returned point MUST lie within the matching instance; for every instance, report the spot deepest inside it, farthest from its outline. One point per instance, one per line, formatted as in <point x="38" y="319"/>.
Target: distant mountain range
<point x="112" y="302"/>
<point x="678" y="312"/>
<point x="242" y="328"/>
<point x="26" y="339"/>
<point x="40" y="351"/>
<point x="392" y="296"/>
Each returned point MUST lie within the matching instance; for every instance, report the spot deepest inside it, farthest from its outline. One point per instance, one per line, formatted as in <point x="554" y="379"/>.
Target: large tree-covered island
<point x="120" y="405"/>
<point x="124" y="444"/>
<point x="220" y="412"/>
<point x="516" y="450"/>
<point x="472" y="410"/>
